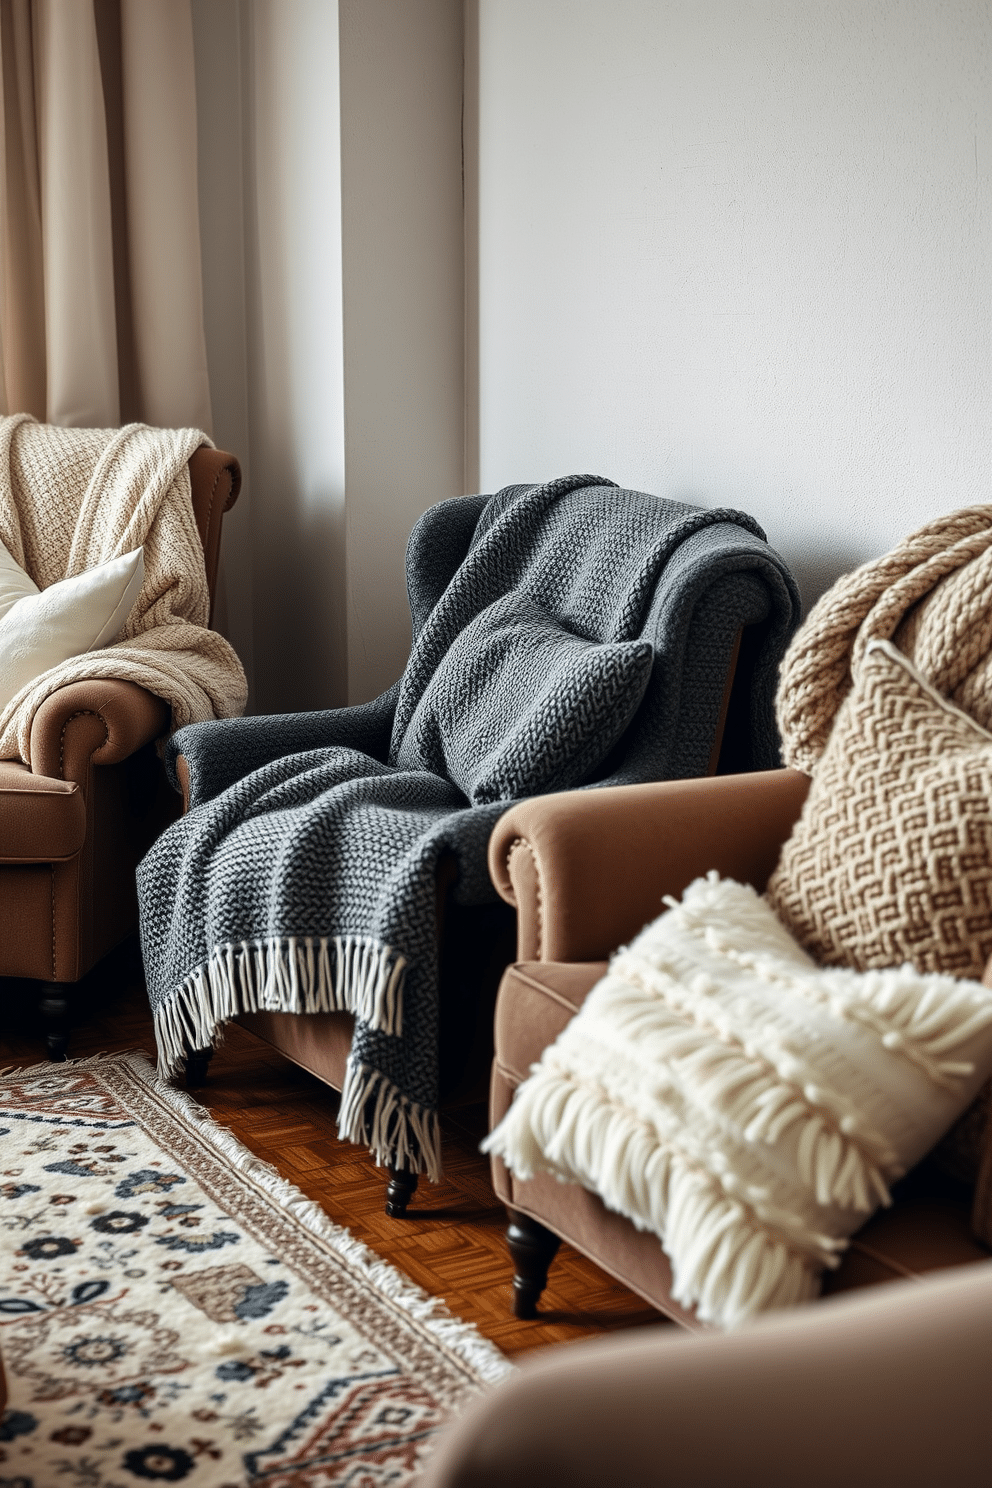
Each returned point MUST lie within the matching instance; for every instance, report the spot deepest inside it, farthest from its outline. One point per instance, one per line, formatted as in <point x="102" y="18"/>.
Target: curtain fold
<point x="101" y="301"/>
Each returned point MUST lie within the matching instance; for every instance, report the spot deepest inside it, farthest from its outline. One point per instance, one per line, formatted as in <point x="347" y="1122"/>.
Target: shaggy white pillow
<point x="750" y="1108"/>
<point x="41" y="628"/>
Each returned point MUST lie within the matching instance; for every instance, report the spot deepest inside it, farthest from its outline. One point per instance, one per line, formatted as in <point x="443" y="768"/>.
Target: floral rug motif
<point x="171" y="1310"/>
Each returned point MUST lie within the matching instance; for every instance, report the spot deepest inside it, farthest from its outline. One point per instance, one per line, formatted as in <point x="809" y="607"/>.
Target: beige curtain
<point x="101" y="301"/>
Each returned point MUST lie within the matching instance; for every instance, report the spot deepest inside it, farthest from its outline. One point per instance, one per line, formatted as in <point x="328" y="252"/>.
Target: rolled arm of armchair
<point x="214" y="755"/>
<point x="99" y="720"/>
<point x="587" y="869"/>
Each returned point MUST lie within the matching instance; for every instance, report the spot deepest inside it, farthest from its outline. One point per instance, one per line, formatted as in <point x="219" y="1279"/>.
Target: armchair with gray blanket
<point x="564" y="634"/>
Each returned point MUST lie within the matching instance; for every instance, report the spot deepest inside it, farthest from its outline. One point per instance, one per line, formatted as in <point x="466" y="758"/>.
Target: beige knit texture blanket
<point x="73" y="498"/>
<point x="929" y="596"/>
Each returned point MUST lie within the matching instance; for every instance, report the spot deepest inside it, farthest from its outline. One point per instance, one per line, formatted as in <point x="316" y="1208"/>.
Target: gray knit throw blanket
<point x="565" y="633"/>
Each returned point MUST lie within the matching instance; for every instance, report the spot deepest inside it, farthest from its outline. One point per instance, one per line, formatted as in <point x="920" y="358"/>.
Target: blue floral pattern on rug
<point x="163" y="1320"/>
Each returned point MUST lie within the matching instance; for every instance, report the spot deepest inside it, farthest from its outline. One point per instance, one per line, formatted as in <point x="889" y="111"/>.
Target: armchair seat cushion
<point x="41" y="820"/>
<point x="537" y="1000"/>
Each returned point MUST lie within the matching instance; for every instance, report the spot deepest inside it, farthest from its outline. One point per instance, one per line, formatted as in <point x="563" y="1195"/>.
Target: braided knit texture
<point x="891" y="859"/>
<point x="304" y="877"/>
<point x="73" y="498"/>
<point x="929" y="596"/>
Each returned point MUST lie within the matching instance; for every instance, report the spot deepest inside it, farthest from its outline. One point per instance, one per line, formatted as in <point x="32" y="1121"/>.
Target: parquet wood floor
<point x="452" y="1241"/>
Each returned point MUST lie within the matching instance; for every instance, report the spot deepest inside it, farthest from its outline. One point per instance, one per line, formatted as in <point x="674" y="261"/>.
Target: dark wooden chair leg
<point x="197" y="1062"/>
<point x="53" y="1004"/>
<point x="533" y="1248"/>
<point x="402" y="1187"/>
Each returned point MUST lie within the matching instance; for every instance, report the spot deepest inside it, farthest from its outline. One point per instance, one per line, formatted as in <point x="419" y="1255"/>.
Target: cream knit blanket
<point x="929" y="596"/>
<point x="73" y="498"/>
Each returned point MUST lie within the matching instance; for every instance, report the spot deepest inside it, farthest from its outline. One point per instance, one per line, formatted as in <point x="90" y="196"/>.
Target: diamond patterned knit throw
<point x="303" y="879"/>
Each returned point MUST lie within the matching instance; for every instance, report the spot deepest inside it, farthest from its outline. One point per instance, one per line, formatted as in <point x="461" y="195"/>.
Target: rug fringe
<point x="287" y="974"/>
<point x="52" y="1066"/>
<point x="460" y="1338"/>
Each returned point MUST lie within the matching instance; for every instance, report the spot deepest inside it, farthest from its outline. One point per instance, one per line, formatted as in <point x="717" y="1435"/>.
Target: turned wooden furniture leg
<point x="53" y="1004"/>
<point x="197" y="1061"/>
<point x="533" y="1248"/>
<point x="402" y="1187"/>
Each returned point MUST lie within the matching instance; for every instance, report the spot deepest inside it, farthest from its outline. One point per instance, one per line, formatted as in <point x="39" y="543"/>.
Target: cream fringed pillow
<point x="891" y="859"/>
<point x="748" y="1107"/>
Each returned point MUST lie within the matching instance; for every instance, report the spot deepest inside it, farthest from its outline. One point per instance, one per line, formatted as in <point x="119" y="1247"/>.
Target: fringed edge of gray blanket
<point x="398" y="1132"/>
<point x="311" y="974"/>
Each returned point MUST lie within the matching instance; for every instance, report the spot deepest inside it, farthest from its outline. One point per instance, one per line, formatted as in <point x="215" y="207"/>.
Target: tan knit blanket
<point x="931" y="596"/>
<point x="73" y="498"/>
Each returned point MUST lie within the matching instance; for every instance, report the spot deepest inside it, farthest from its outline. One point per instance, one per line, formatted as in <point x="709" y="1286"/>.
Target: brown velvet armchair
<point x="586" y="871"/>
<point x="74" y="825"/>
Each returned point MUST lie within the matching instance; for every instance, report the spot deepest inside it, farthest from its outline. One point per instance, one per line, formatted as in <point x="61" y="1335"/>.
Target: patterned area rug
<point x="171" y="1310"/>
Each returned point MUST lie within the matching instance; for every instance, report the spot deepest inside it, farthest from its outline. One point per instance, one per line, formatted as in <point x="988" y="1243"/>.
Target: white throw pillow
<point x="750" y="1108"/>
<point x="40" y="628"/>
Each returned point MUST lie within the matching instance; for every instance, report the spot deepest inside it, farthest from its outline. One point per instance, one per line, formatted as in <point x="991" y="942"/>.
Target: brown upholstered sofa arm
<point x="588" y="869"/>
<point x="98" y="720"/>
<point x="881" y="1387"/>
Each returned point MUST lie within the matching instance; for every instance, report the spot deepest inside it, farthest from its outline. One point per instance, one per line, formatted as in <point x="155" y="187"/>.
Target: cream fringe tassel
<point x="294" y="974"/>
<point x="736" y="1254"/>
<point x="396" y="1130"/>
<point x="459" y="1338"/>
<point x="764" y="1090"/>
<point x="309" y="975"/>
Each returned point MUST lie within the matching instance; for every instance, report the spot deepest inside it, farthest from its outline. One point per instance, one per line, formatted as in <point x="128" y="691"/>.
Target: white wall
<point x="738" y="252"/>
<point x="295" y="355"/>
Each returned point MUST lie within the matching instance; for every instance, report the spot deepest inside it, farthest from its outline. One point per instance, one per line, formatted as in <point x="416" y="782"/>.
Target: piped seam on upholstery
<point x="213" y="496"/>
<point x="521" y="842"/>
<point x="81" y="713"/>
<point x="510" y="1075"/>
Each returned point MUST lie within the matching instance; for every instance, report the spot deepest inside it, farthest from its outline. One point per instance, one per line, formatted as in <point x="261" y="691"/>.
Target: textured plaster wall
<point x="738" y="252"/>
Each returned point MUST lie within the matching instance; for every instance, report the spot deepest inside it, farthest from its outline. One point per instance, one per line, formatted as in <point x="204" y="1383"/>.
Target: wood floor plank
<point x="452" y="1242"/>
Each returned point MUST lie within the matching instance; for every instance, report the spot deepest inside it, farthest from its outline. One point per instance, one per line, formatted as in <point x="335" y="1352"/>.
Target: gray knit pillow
<point x="521" y="706"/>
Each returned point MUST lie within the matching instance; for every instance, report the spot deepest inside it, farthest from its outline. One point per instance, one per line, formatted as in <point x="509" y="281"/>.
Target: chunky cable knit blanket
<point x="303" y="878"/>
<point x="73" y="498"/>
<point x="929" y="596"/>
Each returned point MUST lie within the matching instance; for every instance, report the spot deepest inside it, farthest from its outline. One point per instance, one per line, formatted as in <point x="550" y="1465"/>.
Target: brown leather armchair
<point x="586" y="871"/>
<point x="74" y="825"/>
